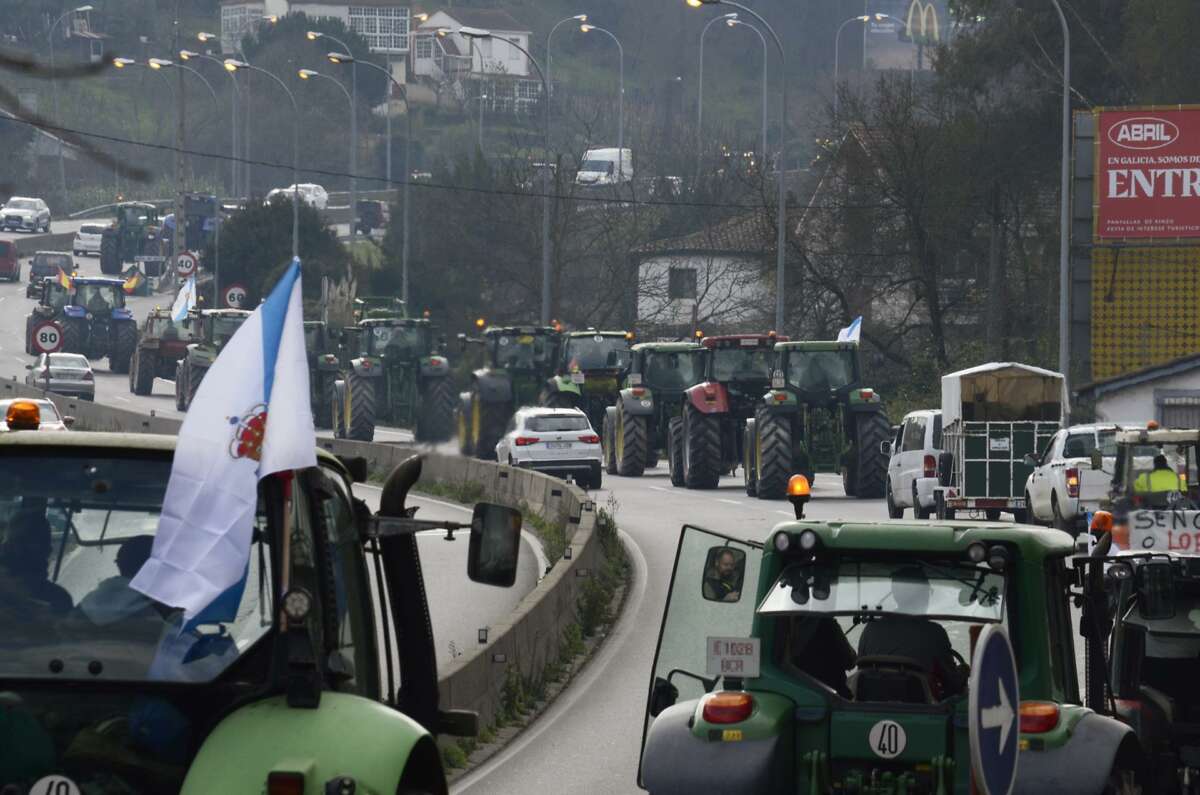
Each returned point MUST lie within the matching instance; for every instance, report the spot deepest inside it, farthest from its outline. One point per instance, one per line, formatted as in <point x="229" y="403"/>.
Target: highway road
<point x="56" y="228"/>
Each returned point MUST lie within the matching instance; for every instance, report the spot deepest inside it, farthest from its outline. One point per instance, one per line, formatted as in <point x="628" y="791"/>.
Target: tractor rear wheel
<point x="337" y="409"/>
<point x="179" y="384"/>
<point x="195" y="375"/>
<point x="701" y="449"/>
<point x="110" y="256"/>
<point x="608" y="440"/>
<point x="141" y="372"/>
<point x="675" y="450"/>
<point x="773" y="454"/>
<point x="749" y="465"/>
<point x="463" y="416"/>
<point x="74" y="334"/>
<point x="487" y="421"/>
<point x="631" y="444"/>
<point x="870" y="467"/>
<point x="124" y="343"/>
<point x="322" y="413"/>
<point x="435" y="412"/>
<point x="360" y="394"/>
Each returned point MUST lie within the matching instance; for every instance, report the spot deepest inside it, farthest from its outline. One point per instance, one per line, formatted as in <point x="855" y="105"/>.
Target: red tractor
<point x="706" y="439"/>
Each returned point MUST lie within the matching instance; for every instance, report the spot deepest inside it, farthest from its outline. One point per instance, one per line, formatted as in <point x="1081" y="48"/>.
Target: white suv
<point x="88" y="239"/>
<point x="1063" y="488"/>
<point x="310" y="193"/>
<point x="22" y="212"/>
<point x="912" y="464"/>
<point x="555" y="441"/>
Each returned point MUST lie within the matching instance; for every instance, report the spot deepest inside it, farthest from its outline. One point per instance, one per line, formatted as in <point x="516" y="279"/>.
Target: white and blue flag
<point x="185" y="300"/>
<point x="851" y="333"/>
<point x="250" y="418"/>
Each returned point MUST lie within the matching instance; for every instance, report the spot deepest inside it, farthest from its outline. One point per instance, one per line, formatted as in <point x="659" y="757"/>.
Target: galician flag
<point x="853" y="332"/>
<point x="185" y="300"/>
<point x="250" y="418"/>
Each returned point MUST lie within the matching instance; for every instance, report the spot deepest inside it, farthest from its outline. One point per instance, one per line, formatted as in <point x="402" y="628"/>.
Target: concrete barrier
<point x="57" y="241"/>
<point x="532" y="635"/>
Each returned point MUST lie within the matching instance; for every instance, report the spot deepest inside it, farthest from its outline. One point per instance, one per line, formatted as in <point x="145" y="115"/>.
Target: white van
<point x="912" y="463"/>
<point x="605" y="167"/>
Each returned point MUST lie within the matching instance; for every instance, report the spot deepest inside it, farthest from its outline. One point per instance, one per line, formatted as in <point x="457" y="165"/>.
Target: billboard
<point x="907" y="34"/>
<point x="1147" y="178"/>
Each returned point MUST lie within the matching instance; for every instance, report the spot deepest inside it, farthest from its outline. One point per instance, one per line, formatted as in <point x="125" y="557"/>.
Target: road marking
<point x="122" y="399"/>
<point x="727" y="502"/>
<point x="786" y="513"/>
<point x="661" y="488"/>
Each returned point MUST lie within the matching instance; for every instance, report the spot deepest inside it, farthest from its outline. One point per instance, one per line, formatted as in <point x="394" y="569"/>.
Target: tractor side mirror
<point x="1097" y="460"/>
<point x="1156" y="590"/>
<point x="68" y="420"/>
<point x="885" y="449"/>
<point x="462" y="342"/>
<point x="1030" y="459"/>
<point x="495" y="545"/>
<point x="662" y="695"/>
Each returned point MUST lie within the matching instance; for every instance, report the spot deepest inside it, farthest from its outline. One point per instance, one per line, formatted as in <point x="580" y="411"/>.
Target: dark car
<point x="10" y="266"/>
<point x="49" y="263"/>
<point x="370" y="215"/>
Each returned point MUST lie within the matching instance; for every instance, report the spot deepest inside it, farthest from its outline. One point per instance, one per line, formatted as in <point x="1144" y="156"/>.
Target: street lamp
<point x="837" y="38"/>
<point x="206" y="37"/>
<point x="620" y="94"/>
<point x="700" y="93"/>
<point x="550" y="36"/>
<point x="344" y="58"/>
<point x="477" y="33"/>
<point x="314" y="35"/>
<point x="781" y="209"/>
<point x="233" y="65"/>
<point x="481" y="98"/>
<point x="62" y="169"/>
<point x="1064" y="230"/>
<point x="733" y="23"/>
<point x="187" y="55"/>
<point x="310" y="74"/>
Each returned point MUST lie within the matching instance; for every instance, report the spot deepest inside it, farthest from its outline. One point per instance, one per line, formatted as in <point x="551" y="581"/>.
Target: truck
<point x="1063" y="490"/>
<point x="817" y="416"/>
<point x="737" y="373"/>
<point x="765" y="681"/>
<point x="93" y="317"/>
<point x="217" y="328"/>
<point x="517" y="362"/>
<point x="637" y="429"/>
<point x="993" y="416"/>
<point x="318" y="679"/>
<point x="605" y="167"/>
<point x="161" y="344"/>
<point x="588" y="375"/>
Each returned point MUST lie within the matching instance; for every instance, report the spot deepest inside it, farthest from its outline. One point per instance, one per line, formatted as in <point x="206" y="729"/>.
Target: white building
<point x="1167" y="392"/>
<point x="491" y="68"/>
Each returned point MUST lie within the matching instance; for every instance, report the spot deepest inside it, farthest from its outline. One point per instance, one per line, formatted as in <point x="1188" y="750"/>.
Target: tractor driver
<point x="723" y="582"/>
<point x="25" y="558"/>
<point x="1159" y="480"/>
<point x="909" y="634"/>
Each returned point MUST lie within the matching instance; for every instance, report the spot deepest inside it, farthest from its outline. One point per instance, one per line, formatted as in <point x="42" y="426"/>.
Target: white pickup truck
<point x="1063" y="488"/>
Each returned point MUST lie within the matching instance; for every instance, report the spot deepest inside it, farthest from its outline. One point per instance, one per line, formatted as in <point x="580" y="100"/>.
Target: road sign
<point x="235" y="296"/>
<point x="47" y="337"/>
<point x="994" y="701"/>
<point x="185" y="264"/>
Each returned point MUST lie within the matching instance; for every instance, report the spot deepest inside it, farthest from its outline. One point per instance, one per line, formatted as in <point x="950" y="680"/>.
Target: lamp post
<point x="234" y="65"/>
<point x="550" y="36"/>
<point x="310" y="74"/>
<point x="700" y="93"/>
<point x="1064" y="220"/>
<point x="314" y="35"/>
<point x="781" y="201"/>
<point x="837" y="39"/>
<point x="344" y="58"/>
<point x="586" y="28"/>
<point x="733" y="23"/>
<point x="187" y="55"/>
<point x="481" y="98"/>
<point x="206" y="37"/>
<point x="477" y="33"/>
<point x="62" y="169"/>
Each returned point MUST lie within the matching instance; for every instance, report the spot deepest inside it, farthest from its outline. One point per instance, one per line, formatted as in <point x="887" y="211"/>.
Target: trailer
<point x="994" y="415"/>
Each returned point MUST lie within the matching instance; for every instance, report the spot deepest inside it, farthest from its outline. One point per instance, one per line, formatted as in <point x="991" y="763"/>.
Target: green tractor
<point x="846" y="657"/>
<point x="395" y="374"/>
<point x="324" y="366"/>
<point x="518" y="360"/>
<point x="134" y="235"/>
<point x="637" y="429"/>
<point x="590" y="364"/>
<point x="93" y="317"/>
<point x="318" y="676"/>
<point x="817" y="417"/>
<point x="161" y="344"/>
<point x="217" y="327"/>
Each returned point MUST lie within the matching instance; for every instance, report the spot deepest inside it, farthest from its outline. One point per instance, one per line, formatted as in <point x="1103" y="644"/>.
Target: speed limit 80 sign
<point x="47" y="337"/>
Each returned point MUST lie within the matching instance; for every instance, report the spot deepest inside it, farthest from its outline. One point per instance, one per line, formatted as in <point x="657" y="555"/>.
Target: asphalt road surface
<point x="56" y="227"/>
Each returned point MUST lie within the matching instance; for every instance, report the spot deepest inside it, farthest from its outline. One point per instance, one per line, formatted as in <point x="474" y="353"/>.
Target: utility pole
<point x="180" y="187"/>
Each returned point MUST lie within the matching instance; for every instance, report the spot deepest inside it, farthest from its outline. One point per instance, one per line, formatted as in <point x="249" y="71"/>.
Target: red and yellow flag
<point x="132" y="282"/>
<point x="64" y="279"/>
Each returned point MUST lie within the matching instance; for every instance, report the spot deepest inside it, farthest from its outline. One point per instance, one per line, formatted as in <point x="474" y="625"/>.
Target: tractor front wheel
<point x="124" y="343"/>
<point x="749" y="465"/>
<point x="141" y="372"/>
<point x="463" y="415"/>
<point x="435" y="414"/>
<point x="701" y="449"/>
<point x="192" y="384"/>
<point x="631" y="444"/>
<point x="608" y="440"/>
<point x="675" y="450"/>
<point x="110" y="256"/>
<point x="870" y="467"/>
<point x="360" y="395"/>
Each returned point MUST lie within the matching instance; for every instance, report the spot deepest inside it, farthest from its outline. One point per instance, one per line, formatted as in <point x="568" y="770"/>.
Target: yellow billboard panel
<point x="1145" y="304"/>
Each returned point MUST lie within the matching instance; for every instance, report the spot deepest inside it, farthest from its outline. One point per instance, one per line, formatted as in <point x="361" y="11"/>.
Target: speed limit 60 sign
<point x="47" y="337"/>
<point x="235" y="296"/>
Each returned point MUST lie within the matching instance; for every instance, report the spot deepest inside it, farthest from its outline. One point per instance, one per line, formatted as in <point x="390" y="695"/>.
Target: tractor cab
<point x="219" y="325"/>
<point x="742" y="365"/>
<point x="97" y="295"/>
<point x="665" y="367"/>
<point x="405" y="340"/>
<point x="588" y="374"/>
<point x="379" y="306"/>
<point x="819" y="370"/>
<point x="524" y="349"/>
<point x="837" y="657"/>
<point x="133" y="234"/>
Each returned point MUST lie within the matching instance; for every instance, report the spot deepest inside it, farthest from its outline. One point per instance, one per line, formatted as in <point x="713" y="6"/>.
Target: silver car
<point x="23" y="212"/>
<point x="63" y="374"/>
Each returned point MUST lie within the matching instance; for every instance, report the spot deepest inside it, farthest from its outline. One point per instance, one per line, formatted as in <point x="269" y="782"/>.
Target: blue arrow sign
<point x="994" y="702"/>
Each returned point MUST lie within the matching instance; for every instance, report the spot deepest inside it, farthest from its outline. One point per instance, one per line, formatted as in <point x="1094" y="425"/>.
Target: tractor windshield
<point x="522" y="351"/>
<point x="672" y="370"/>
<point x="1158" y="469"/>
<point x="76" y="526"/>
<point x="98" y="298"/>
<point x="223" y="328"/>
<point x="137" y="215"/>
<point x="397" y="340"/>
<point x="597" y="353"/>
<point x="820" y="371"/>
<point x="910" y="588"/>
<point x="741" y="364"/>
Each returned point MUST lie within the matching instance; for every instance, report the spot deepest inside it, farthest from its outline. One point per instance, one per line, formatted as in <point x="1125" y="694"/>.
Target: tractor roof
<point x="667" y="347"/>
<point x="724" y="340"/>
<point x="593" y="333"/>
<point x="59" y="253"/>
<point x="1163" y="436"/>
<point x="492" y="331"/>
<point x="817" y="345"/>
<point x="105" y="280"/>
<point x="934" y="537"/>
<point x="410" y="322"/>
<point x="234" y="313"/>
<point x="138" y="204"/>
